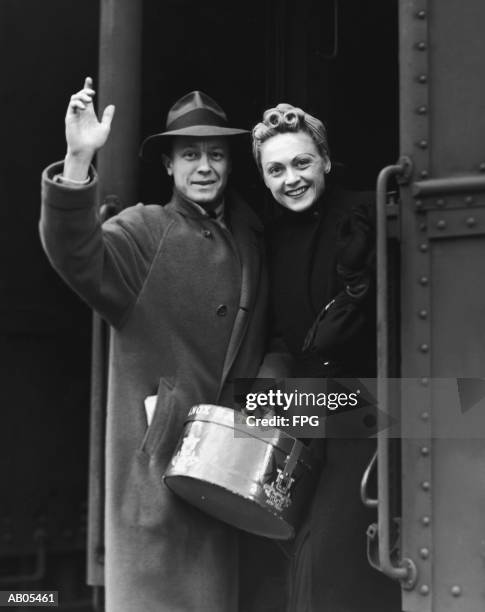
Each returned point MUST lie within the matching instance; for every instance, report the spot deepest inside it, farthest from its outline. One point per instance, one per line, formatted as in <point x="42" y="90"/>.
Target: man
<point x="184" y="291"/>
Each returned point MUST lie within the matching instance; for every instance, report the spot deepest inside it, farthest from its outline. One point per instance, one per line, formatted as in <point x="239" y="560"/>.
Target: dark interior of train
<point x="336" y="59"/>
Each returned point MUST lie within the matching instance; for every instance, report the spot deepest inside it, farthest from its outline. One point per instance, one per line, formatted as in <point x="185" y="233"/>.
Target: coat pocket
<point x="146" y="498"/>
<point x="160" y="418"/>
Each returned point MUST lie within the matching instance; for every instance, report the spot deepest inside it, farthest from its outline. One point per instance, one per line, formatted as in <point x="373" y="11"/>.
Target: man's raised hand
<point x="84" y="133"/>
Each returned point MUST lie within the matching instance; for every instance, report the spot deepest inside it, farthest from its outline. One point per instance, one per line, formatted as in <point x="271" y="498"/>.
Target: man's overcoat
<point x="185" y="298"/>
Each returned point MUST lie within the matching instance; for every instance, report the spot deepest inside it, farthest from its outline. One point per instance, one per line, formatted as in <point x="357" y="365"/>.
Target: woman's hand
<point x="84" y="133"/>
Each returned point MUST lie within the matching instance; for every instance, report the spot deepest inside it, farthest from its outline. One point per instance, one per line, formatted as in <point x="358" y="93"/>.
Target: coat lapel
<point x="246" y="230"/>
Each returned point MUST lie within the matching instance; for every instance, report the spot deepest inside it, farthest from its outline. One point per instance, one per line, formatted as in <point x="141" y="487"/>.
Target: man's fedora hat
<point x="195" y="114"/>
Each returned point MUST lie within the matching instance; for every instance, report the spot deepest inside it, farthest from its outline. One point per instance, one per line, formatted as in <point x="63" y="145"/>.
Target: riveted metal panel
<point x="458" y="307"/>
<point x="456" y="223"/>
<point x="457" y="66"/>
<point x="442" y="124"/>
<point x="416" y="532"/>
<point x="458" y="331"/>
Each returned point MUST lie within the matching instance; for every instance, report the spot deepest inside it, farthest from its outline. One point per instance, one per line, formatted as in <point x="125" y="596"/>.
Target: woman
<point x="323" y="315"/>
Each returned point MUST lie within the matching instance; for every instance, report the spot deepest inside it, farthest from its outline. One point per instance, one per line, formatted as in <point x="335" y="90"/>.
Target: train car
<point x="399" y="85"/>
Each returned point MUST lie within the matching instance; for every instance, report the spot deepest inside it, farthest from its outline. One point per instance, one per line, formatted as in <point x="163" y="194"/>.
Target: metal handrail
<point x="405" y="572"/>
<point x="366" y="500"/>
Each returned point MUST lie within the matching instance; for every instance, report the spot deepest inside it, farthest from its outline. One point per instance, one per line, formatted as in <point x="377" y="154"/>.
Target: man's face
<point x="293" y="169"/>
<point x="200" y="168"/>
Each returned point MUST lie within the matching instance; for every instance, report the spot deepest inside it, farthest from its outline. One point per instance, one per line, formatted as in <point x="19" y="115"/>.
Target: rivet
<point x="423" y="144"/>
<point x="440" y="202"/>
<point x="421" y="14"/>
<point x="424" y="348"/>
<point x="469" y="200"/>
<point x="424" y="589"/>
<point x="423" y="78"/>
<point x="456" y="590"/>
<point x="424" y="451"/>
<point x="221" y="310"/>
<point x="425" y="485"/>
<point x="421" y="45"/>
<point x="418" y="203"/>
<point x="425" y="416"/>
<point x="422" y="110"/>
<point x="424" y="174"/>
<point x="423" y="247"/>
<point x="425" y="521"/>
<point x="424" y="280"/>
<point x="423" y="313"/>
<point x="441" y="224"/>
<point x="471" y="222"/>
<point x="424" y="553"/>
<point x="481" y="167"/>
<point x="425" y="381"/>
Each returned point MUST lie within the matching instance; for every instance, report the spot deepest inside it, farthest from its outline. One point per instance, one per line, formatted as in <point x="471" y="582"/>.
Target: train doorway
<point x="335" y="58"/>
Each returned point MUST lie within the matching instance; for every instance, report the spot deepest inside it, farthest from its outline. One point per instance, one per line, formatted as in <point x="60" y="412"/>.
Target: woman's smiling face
<point x="293" y="169"/>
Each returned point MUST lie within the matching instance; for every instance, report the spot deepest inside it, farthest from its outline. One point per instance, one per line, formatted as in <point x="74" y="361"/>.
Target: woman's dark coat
<point x="331" y="571"/>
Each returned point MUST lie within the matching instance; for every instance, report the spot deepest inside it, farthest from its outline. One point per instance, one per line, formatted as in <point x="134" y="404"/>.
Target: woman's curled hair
<point x="287" y="118"/>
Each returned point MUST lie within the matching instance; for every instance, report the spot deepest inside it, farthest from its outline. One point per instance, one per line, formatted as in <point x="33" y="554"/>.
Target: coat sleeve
<point x="106" y="264"/>
<point x="343" y="325"/>
<point x="340" y="326"/>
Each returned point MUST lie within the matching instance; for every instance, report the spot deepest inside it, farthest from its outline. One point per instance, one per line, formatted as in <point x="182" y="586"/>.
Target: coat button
<point x="222" y="310"/>
<point x="207" y="233"/>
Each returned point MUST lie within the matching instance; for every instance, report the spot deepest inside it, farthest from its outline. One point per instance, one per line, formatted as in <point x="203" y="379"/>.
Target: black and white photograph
<point x="242" y="306"/>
